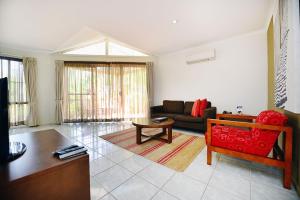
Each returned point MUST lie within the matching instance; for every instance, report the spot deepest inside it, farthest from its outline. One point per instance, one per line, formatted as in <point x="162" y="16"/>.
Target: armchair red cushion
<point x="256" y="141"/>
<point x="271" y="117"/>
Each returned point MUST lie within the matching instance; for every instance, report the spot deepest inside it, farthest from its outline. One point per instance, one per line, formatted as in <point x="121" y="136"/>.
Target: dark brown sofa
<point x="180" y="111"/>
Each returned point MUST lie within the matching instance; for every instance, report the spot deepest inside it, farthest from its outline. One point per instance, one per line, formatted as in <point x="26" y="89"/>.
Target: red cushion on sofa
<point x="196" y="108"/>
<point x="203" y="106"/>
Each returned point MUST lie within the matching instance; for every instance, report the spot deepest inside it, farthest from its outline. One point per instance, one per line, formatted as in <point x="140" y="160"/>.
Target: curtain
<point x="105" y="92"/>
<point x="149" y="82"/>
<point x="59" y="91"/>
<point x="13" y="69"/>
<point x="134" y="91"/>
<point x="30" y="81"/>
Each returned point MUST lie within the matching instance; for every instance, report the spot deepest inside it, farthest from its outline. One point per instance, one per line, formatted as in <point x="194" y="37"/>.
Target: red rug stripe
<point x="147" y="151"/>
<point x="135" y="145"/>
<point x="175" y="151"/>
<point x="172" y="153"/>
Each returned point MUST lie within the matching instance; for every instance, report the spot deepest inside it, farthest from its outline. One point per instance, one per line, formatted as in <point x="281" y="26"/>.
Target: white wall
<point x="46" y="75"/>
<point x="238" y="76"/>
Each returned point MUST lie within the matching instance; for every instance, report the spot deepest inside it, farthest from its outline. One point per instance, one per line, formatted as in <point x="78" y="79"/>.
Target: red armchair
<point x="252" y="141"/>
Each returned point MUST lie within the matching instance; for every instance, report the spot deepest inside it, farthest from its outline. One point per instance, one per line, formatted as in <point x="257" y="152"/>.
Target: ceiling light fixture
<point x="174" y="21"/>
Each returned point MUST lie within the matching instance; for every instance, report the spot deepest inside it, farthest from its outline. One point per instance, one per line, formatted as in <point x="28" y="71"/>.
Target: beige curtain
<point x="105" y="92"/>
<point x="149" y="75"/>
<point x="59" y="90"/>
<point x="134" y="90"/>
<point x="30" y="70"/>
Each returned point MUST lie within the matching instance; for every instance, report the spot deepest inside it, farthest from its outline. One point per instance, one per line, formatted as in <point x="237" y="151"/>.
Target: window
<point x="105" y="92"/>
<point x="119" y="50"/>
<point x="105" y="48"/>
<point x="94" y="49"/>
<point x="13" y="69"/>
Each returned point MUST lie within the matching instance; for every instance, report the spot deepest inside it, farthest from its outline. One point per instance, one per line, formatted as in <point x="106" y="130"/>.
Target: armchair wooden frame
<point x="284" y="162"/>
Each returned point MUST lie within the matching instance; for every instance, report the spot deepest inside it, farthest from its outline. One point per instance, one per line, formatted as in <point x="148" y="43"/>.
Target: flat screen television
<point x="4" y="122"/>
<point x="8" y="150"/>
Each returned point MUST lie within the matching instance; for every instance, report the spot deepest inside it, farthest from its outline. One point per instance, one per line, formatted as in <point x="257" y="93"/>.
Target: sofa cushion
<point x="173" y="106"/>
<point x="188" y="105"/>
<point x="188" y="118"/>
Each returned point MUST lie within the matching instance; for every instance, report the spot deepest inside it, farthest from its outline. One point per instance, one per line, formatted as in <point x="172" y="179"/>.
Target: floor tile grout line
<point x="130" y="179"/>
<point x="232" y="193"/>
<point x="118" y="185"/>
<point x="150" y="182"/>
<point x="214" y="169"/>
<point x="161" y="188"/>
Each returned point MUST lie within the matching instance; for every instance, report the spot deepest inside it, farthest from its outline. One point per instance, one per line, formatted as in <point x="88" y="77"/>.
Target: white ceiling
<point x="145" y="24"/>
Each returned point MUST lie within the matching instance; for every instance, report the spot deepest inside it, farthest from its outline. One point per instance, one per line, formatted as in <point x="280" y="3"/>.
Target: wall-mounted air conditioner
<point x="202" y="56"/>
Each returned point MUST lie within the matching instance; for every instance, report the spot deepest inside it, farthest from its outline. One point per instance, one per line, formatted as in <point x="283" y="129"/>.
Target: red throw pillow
<point x="196" y="108"/>
<point x="202" y="107"/>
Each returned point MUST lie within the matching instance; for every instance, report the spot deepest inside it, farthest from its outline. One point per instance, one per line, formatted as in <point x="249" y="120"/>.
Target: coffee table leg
<point x="138" y="135"/>
<point x="164" y="131"/>
<point x="170" y="135"/>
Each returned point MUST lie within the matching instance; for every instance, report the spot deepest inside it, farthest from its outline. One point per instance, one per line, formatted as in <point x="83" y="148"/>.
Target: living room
<point x="99" y="74"/>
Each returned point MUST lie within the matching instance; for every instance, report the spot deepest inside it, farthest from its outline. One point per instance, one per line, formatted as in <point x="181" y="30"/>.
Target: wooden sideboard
<point x="38" y="175"/>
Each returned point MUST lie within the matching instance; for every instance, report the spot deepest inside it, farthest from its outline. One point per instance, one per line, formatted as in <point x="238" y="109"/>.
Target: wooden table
<point x="148" y="123"/>
<point x="38" y="175"/>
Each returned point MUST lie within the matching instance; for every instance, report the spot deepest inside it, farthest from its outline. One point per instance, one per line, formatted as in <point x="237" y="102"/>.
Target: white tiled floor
<point x="117" y="174"/>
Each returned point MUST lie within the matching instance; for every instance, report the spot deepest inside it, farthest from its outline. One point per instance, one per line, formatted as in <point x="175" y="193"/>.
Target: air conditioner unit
<point x="202" y="56"/>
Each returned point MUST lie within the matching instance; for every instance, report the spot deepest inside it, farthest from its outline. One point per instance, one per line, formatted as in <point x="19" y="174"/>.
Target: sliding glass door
<point x="105" y="92"/>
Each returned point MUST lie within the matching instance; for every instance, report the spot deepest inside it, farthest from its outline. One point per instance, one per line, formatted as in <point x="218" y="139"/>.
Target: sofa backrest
<point x="188" y="106"/>
<point x="175" y="107"/>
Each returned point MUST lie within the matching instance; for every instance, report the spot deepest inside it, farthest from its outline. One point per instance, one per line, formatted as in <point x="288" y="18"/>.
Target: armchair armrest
<point x="156" y="109"/>
<point x="209" y="113"/>
<point x="236" y="116"/>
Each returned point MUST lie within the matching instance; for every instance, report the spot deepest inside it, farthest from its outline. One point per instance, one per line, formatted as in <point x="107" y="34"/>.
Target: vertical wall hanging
<point x="281" y="50"/>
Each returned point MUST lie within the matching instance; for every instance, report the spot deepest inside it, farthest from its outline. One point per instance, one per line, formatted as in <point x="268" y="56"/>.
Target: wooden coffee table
<point x="148" y="123"/>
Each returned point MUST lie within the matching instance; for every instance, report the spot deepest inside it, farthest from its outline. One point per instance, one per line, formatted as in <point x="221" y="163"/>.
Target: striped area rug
<point x="178" y="155"/>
